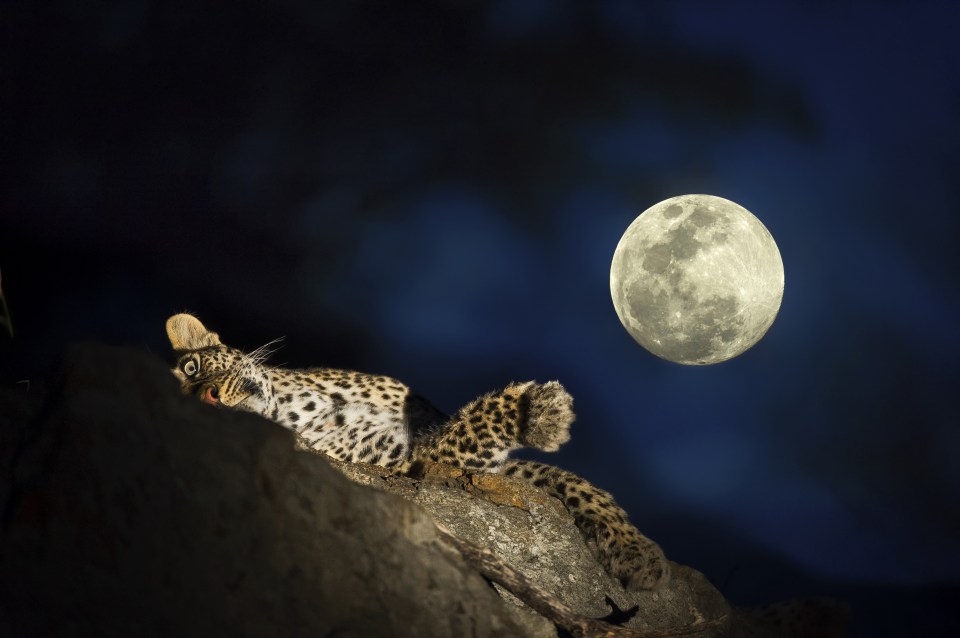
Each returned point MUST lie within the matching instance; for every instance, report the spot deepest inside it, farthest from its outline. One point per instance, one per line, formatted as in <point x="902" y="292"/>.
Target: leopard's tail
<point x="627" y="555"/>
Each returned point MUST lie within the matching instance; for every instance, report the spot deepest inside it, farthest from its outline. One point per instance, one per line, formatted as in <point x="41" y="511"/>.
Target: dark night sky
<point x="434" y="190"/>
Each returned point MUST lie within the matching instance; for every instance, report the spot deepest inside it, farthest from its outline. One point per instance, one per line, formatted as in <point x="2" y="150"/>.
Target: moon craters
<point x="696" y="279"/>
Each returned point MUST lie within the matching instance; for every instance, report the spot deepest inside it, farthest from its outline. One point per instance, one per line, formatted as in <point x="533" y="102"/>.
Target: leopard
<point x="357" y="417"/>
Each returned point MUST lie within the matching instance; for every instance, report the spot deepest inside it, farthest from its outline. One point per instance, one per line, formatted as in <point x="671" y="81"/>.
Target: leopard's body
<point x="357" y="417"/>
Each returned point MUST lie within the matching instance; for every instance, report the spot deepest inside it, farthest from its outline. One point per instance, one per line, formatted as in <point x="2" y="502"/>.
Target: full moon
<point x="696" y="279"/>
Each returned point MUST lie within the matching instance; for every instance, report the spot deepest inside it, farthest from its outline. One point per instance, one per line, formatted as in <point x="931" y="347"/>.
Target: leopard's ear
<point x="187" y="333"/>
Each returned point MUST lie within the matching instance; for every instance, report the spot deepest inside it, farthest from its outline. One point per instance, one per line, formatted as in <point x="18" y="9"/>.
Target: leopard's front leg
<point x="483" y="432"/>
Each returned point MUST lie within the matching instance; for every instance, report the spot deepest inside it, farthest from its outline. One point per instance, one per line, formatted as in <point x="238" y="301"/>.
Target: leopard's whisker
<point x="261" y="354"/>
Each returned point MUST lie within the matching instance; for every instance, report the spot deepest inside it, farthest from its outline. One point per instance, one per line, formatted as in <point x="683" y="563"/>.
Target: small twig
<point x="502" y="573"/>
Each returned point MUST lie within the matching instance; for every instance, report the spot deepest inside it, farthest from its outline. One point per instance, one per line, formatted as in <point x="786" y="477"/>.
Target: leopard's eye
<point x="190" y="368"/>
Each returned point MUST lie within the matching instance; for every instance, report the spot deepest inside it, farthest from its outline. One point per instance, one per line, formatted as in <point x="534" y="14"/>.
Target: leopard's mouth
<point x="228" y="395"/>
<point x="211" y="396"/>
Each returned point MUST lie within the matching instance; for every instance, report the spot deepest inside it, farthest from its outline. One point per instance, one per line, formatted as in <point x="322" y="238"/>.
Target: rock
<point x="133" y="510"/>
<point x="536" y="535"/>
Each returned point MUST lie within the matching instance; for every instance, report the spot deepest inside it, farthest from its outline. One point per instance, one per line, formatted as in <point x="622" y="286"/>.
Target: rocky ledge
<point x="128" y="509"/>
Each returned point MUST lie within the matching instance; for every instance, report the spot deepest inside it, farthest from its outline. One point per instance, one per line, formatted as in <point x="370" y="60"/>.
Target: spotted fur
<point x="358" y="417"/>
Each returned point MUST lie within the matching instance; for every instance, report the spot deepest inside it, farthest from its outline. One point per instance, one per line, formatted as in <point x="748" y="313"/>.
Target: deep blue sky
<point x="435" y="192"/>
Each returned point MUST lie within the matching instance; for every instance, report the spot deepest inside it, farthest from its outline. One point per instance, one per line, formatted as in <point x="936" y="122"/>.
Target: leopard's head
<point x="216" y="373"/>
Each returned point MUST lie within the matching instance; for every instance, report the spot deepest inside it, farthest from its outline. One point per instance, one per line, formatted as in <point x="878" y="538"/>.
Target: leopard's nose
<point x="211" y="395"/>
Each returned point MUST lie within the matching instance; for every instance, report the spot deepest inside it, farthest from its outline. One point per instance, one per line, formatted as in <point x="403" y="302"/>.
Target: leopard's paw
<point x="549" y="416"/>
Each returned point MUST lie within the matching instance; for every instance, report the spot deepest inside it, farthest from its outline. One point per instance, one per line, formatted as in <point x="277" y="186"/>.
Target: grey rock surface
<point x="127" y="509"/>
<point x="535" y="534"/>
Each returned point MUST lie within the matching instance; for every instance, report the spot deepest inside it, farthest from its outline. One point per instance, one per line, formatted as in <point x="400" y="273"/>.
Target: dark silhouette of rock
<point x="128" y="509"/>
<point x="135" y="511"/>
